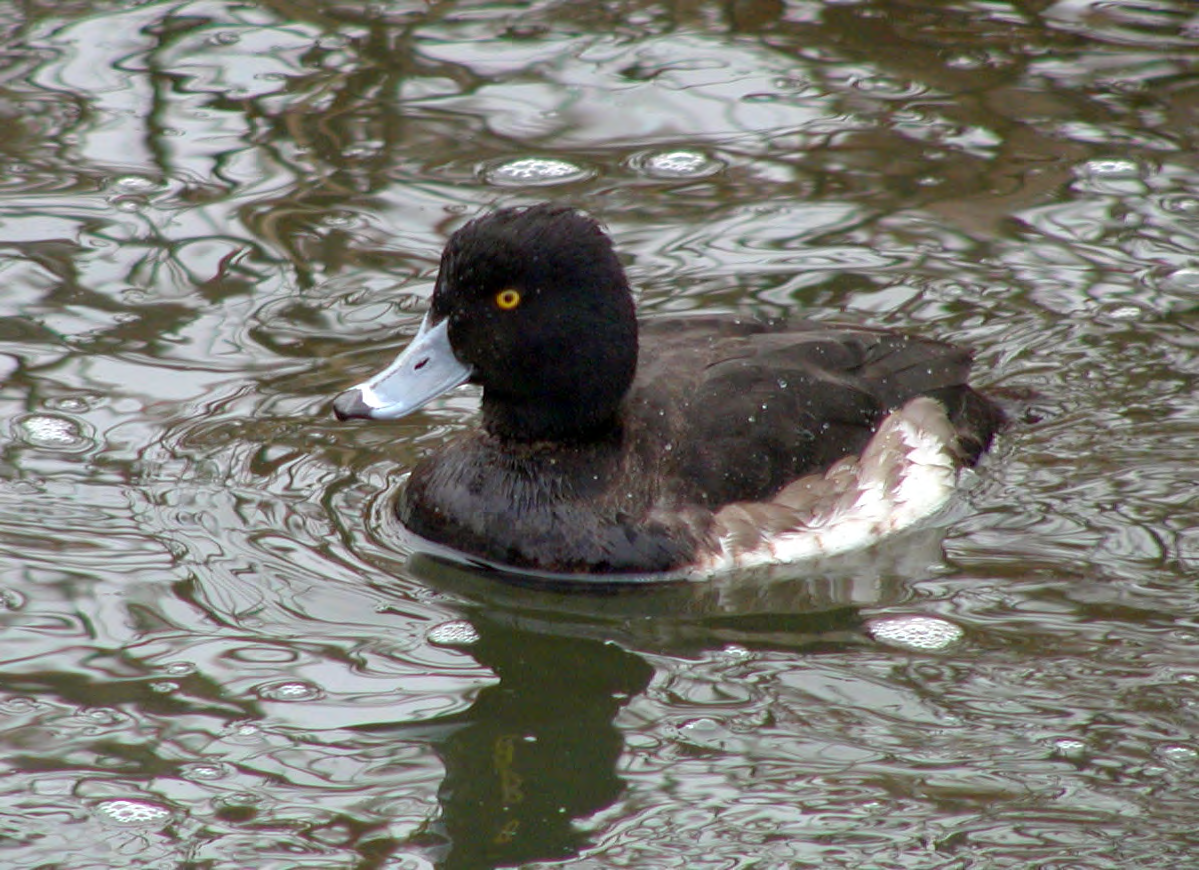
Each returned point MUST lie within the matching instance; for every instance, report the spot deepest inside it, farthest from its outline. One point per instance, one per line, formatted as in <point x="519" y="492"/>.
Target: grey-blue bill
<point x="424" y="370"/>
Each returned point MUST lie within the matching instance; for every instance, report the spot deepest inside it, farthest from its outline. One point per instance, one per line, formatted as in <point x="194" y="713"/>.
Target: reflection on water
<point x="217" y="649"/>
<point x="536" y="752"/>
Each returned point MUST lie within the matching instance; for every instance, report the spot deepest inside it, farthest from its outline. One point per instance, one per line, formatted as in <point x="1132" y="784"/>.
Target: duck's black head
<point x="537" y="310"/>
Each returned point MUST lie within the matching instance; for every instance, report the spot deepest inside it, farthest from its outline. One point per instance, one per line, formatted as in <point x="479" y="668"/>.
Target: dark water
<point x="216" y="652"/>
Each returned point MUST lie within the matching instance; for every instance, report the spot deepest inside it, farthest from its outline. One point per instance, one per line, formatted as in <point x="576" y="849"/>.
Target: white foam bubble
<point x="457" y="633"/>
<point x="133" y="813"/>
<point x="916" y="632"/>
<point x="52" y="432"/>
<point x="290" y="691"/>
<point x="534" y="172"/>
<point x="678" y="164"/>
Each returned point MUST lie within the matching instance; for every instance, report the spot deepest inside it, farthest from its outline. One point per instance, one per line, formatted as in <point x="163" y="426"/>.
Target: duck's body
<point x="723" y="442"/>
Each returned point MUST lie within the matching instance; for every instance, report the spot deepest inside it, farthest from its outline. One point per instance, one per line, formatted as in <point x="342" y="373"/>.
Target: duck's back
<point x="747" y="407"/>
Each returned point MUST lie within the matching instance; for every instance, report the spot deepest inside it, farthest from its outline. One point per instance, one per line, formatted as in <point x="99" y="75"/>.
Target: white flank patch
<point x="906" y="473"/>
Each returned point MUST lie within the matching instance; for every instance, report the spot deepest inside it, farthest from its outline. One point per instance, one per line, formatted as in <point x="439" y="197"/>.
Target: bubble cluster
<point x="133" y="813"/>
<point x="678" y="164"/>
<point x="916" y="632"/>
<point x="534" y="172"/>
<point x="457" y="633"/>
<point x="52" y="432"/>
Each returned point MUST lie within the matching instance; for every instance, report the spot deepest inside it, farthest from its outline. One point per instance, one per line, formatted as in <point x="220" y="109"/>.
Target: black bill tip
<point x="350" y="406"/>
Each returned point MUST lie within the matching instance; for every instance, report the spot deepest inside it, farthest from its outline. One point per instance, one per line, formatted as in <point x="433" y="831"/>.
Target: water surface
<point x="217" y="651"/>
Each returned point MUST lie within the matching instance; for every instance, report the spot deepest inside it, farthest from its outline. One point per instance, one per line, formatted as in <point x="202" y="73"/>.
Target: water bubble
<point x="704" y="732"/>
<point x="534" y="172"/>
<point x="203" y="771"/>
<point x="69" y="404"/>
<point x="11" y="599"/>
<point x="1068" y="747"/>
<point x="133" y="813"/>
<point x="52" y="432"/>
<point x="333" y="41"/>
<point x="260" y="655"/>
<point x="341" y="220"/>
<point x="134" y="184"/>
<point x="1124" y="312"/>
<point x="968" y="60"/>
<point x="164" y="686"/>
<point x="1114" y="177"/>
<point x="916" y="632"/>
<point x="1179" y="754"/>
<point x="677" y="164"/>
<point x="457" y="633"/>
<point x="881" y="86"/>
<point x="365" y="150"/>
<point x="129" y="204"/>
<point x="101" y="716"/>
<point x="1112" y="168"/>
<point x="19" y="706"/>
<point x="290" y="691"/>
<point x="243" y="730"/>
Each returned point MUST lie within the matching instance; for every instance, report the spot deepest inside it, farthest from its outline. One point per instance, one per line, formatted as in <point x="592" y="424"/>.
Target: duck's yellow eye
<point x="507" y="299"/>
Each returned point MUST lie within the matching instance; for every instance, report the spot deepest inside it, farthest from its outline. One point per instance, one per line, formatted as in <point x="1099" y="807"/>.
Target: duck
<point x="682" y="446"/>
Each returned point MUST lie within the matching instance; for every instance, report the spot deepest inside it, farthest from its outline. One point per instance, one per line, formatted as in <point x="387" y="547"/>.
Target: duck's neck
<point x="577" y="398"/>
<point x="575" y="419"/>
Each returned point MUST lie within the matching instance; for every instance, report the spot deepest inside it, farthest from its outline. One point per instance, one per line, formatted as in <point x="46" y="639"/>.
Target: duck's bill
<point x="426" y="369"/>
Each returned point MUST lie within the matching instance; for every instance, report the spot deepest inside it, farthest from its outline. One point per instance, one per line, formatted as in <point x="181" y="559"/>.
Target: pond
<point x="219" y="651"/>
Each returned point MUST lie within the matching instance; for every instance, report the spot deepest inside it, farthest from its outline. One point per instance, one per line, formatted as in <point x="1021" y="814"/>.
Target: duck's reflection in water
<point x="536" y="751"/>
<point x="539" y="751"/>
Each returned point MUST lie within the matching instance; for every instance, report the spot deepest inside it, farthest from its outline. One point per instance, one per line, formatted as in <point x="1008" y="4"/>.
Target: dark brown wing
<point x="752" y="407"/>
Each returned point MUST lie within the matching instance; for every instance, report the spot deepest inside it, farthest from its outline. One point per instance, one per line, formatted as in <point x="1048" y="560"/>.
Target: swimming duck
<point x="689" y="444"/>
